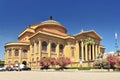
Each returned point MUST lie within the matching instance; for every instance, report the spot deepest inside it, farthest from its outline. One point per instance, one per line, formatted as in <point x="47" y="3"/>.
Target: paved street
<point x="77" y="75"/>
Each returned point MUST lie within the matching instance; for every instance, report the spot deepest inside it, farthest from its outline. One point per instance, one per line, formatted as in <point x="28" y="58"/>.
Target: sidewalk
<point x="77" y="75"/>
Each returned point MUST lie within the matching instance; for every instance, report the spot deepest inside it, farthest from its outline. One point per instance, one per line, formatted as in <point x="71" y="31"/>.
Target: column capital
<point x="38" y="39"/>
<point x="15" y="48"/>
<point x="96" y="43"/>
<point x="77" y="41"/>
<point x="69" y="42"/>
<point x="33" y="41"/>
<point x="81" y="40"/>
<point x="82" y="45"/>
<point x="20" y="48"/>
<point x="58" y="42"/>
<point x="49" y="40"/>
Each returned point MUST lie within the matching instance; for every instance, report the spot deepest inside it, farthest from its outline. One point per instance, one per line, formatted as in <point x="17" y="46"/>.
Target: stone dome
<point x="51" y="22"/>
<point x="51" y="25"/>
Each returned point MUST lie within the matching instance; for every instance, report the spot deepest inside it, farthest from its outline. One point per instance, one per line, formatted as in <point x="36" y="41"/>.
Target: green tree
<point x="1" y="63"/>
<point x="118" y="52"/>
<point x="89" y="41"/>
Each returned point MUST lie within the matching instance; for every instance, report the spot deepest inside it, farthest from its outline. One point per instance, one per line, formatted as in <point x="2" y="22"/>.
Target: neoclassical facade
<point x="50" y="39"/>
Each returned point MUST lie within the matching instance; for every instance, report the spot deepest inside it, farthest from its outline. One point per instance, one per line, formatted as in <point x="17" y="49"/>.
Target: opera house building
<point x="50" y="39"/>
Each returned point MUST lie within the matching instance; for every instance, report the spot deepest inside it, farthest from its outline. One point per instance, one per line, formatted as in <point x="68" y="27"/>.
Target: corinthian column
<point x="77" y="55"/>
<point x="93" y="54"/>
<point x="39" y="50"/>
<point x="35" y="47"/>
<point x="86" y="52"/>
<point x="82" y="51"/>
<point x="49" y="48"/>
<point x="99" y="49"/>
<point x="57" y="49"/>
<point x="96" y="51"/>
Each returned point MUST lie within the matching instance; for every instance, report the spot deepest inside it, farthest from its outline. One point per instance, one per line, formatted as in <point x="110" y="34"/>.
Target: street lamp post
<point x="116" y="45"/>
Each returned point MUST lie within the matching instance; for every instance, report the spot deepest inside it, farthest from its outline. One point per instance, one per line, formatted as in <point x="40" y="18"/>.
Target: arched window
<point x="16" y="52"/>
<point x="53" y="47"/>
<point x="61" y="47"/>
<point x="44" y="46"/>
<point x="24" y="53"/>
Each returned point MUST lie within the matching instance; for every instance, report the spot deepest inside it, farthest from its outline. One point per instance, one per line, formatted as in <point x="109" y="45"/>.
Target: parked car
<point x="16" y="68"/>
<point x="2" y="69"/>
<point x="25" y="68"/>
<point x="9" y="69"/>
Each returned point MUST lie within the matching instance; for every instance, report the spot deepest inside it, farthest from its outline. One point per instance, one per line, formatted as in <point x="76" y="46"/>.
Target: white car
<point x="2" y="69"/>
<point x="15" y="68"/>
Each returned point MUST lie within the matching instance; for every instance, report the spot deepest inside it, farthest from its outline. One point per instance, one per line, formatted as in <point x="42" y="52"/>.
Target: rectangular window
<point x="24" y="53"/>
<point x="53" y="50"/>
<point x="44" y="48"/>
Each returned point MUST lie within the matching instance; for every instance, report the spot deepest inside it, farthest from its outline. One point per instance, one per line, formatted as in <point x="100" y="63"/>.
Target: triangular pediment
<point x="90" y="33"/>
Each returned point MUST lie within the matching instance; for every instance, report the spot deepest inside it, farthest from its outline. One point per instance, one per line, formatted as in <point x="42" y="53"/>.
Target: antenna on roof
<point x="51" y="17"/>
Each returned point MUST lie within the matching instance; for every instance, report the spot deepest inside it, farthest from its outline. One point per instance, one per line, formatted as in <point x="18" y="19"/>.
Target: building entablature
<point x="101" y="46"/>
<point x="46" y="33"/>
<point x="16" y="44"/>
<point x="70" y="37"/>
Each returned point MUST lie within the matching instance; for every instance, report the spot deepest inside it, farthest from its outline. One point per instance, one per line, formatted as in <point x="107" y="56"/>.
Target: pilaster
<point x="82" y="51"/>
<point x="77" y="54"/>
<point x="40" y="49"/>
<point x="57" y="49"/>
<point x="35" y="47"/>
<point x="96" y="51"/>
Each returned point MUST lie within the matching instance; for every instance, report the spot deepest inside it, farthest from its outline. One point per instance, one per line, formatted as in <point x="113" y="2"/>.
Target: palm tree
<point x="89" y="41"/>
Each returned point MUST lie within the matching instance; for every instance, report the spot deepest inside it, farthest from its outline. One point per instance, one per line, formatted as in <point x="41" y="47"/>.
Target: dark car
<point x="9" y="69"/>
<point x="26" y="68"/>
<point x="16" y="68"/>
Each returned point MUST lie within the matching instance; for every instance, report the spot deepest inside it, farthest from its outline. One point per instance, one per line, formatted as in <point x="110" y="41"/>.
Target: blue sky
<point x="103" y="16"/>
